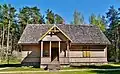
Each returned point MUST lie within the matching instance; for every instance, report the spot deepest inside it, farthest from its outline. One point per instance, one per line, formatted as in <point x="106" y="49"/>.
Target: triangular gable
<point x="51" y="29"/>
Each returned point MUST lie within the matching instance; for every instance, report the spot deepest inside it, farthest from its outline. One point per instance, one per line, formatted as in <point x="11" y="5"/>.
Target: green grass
<point x="105" y="66"/>
<point x="11" y="61"/>
<point x="58" y="73"/>
<point x="13" y="67"/>
<point x="22" y="69"/>
<point x="105" y="72"/>
<point x="74" y="72"/>
<point x="88" y="71"/>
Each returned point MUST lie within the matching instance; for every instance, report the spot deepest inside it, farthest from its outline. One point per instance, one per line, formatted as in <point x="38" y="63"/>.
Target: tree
<point x="92" y="19"/>
<point x="7" y="20"/>
<point x="35" y="15"/>
<point x="1" y="33"/>
<point x="50" y="17"/>
<point x="29" y="15"/>
<point x="113" y="31"/>
<point x="98" y="21"/>
<point x="53" y="18"/>
<point x="4" y="21"/>
<point x="78" y="18"/>
<point x="10" y="15"/>
<point x="58" y="19"/>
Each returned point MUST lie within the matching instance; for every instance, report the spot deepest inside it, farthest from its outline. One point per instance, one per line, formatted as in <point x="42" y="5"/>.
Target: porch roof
<point x="83" y="34"/>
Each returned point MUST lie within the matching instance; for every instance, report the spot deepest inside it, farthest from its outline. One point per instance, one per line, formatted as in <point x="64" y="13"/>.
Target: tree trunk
<point x="7" y="54"/>
<point x="3" y="36"/>
<point x="117" y="45"/>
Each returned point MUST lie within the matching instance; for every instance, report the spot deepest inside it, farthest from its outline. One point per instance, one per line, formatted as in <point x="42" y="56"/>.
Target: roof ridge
<point x="64" y="24"/>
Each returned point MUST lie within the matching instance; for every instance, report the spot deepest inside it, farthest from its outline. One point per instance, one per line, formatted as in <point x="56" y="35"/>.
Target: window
<point x="45" y="53"/>
<point x="46" y="49"/>
<point x="86" y="51"/>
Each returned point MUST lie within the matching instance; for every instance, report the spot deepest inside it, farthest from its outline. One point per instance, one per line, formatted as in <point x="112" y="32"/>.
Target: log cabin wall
<point x="31" y="55"/>
<point x="96" y="54"/>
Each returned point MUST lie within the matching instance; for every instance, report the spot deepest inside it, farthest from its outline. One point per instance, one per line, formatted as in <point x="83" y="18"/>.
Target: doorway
<point x="54" y="54"/>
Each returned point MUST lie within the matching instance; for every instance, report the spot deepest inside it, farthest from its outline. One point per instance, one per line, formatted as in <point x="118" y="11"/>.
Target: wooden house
<point x="44" y="44"/>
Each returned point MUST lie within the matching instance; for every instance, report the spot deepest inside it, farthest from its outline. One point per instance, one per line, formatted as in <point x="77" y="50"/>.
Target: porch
<point x="54" y="51"/>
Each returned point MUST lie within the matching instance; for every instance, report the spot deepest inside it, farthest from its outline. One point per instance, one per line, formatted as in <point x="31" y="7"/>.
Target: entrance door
<point x="54" y="54"/>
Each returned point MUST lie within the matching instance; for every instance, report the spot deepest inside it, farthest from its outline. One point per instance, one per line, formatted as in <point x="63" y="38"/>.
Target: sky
<point x="66" y="8"/>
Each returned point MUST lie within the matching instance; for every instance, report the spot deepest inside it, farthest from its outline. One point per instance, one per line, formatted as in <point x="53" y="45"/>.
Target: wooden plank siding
<point x="45" y="60"/>
<point x="64" y="60"/>
<point x="29" y="52"/>
<point x="93" y="54"/>
<point x="97" y="54"/>
<point x="87" y="60"/>
<point x="31" y="55"/>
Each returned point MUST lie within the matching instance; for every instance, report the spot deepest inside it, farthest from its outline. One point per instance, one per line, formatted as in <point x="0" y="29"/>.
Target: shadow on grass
<point x="16" y="65"/>
<point x="10" y="65"/>
<point x="105" y="72"/>
<point x="100" y="67"/>
<point x="97" y="67"/>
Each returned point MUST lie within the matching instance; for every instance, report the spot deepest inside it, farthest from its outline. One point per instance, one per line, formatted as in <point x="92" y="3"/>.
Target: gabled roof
<point x="51" y="29"/>
<point x="83" y="34"/>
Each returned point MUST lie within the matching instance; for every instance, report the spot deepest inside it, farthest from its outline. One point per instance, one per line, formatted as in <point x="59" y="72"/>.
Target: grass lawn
<point x="22" y="69"/>
<point x="87" y="71"/>
<point x="105" y="66"/>
<point x="72" y="72"/>
<point x="11" y="61"/>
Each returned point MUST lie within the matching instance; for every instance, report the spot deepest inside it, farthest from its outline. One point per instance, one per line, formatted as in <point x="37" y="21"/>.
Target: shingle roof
<point x="84" y="34"/>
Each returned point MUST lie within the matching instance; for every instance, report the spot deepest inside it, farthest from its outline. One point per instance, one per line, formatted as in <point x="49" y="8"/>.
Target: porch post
<point x="50" y="49"/>
<point x="68" y="49"/>
<point x="41" y="48"/>
<point x="59" y="48"/>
